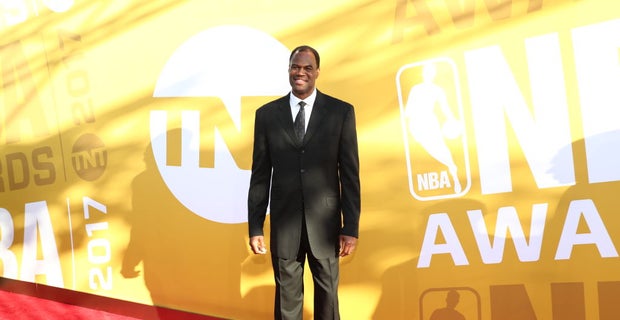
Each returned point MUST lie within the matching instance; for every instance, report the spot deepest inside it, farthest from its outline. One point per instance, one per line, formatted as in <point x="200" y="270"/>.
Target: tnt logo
<point x="199" y="165"/>
<point x="89" y="157"/>
<point x="433" y="131"/>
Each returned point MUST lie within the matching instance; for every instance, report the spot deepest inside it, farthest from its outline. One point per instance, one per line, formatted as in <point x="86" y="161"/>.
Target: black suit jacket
<point x="320" y="175"/>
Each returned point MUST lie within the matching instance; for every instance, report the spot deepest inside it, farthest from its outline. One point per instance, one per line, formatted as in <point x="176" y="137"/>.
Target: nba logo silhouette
<point x="450" y="304"/>
<point x="433" y="129"/>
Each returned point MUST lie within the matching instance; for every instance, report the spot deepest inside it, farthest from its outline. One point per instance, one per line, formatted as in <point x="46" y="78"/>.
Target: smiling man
<point x="306" y="166"/>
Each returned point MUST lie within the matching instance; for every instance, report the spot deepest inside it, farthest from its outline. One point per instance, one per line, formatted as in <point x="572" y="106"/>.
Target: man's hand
<point x="347" y="245"/>
<point x="257" y="244"/>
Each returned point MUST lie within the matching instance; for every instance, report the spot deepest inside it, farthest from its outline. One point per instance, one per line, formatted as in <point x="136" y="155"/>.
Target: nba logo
<point x="450" y="303"/>
<point x="433" y="129"/>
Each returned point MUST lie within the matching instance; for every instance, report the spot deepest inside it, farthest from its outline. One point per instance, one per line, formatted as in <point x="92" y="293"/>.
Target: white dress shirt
<point x="294" y="102"/>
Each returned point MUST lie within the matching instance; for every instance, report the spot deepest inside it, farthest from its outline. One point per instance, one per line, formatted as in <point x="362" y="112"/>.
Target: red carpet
<point x="24" y="300"/>
<point x="19" y="306"/>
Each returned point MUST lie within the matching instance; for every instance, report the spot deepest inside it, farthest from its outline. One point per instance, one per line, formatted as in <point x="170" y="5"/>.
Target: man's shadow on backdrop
<point x="187" y="260"/>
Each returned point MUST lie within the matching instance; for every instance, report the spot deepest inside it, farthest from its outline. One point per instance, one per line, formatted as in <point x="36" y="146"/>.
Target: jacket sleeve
<point x="258" y="195"/>
<point x="349" y="175"/>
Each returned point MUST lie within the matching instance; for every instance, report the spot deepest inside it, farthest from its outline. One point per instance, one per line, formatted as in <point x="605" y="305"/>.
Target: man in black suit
<point x="311" y="182"/>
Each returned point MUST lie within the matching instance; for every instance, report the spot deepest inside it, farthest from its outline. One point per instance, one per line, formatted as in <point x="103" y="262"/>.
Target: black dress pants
<point x="289" y="276"/>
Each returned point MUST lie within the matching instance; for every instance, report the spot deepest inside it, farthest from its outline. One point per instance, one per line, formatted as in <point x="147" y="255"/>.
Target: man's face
<point x="302" y="73"/>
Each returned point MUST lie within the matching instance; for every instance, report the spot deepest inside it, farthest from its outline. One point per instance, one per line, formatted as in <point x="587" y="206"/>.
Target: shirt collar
<point x="309" y="100"/>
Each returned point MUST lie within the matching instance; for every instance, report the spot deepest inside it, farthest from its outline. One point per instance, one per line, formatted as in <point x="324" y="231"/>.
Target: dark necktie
<point x="300" y="122"/>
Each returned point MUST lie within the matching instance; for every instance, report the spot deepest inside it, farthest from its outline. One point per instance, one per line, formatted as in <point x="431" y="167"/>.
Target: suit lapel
<point x="318" y="112"/>
<point x="285" y="119"/>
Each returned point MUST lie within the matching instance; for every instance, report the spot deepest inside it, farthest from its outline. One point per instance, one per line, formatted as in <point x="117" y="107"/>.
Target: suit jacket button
<point x="302" y="171"/>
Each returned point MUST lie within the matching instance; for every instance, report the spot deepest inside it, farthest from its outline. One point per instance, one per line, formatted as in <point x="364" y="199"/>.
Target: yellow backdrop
<point x="489" y="149"/>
